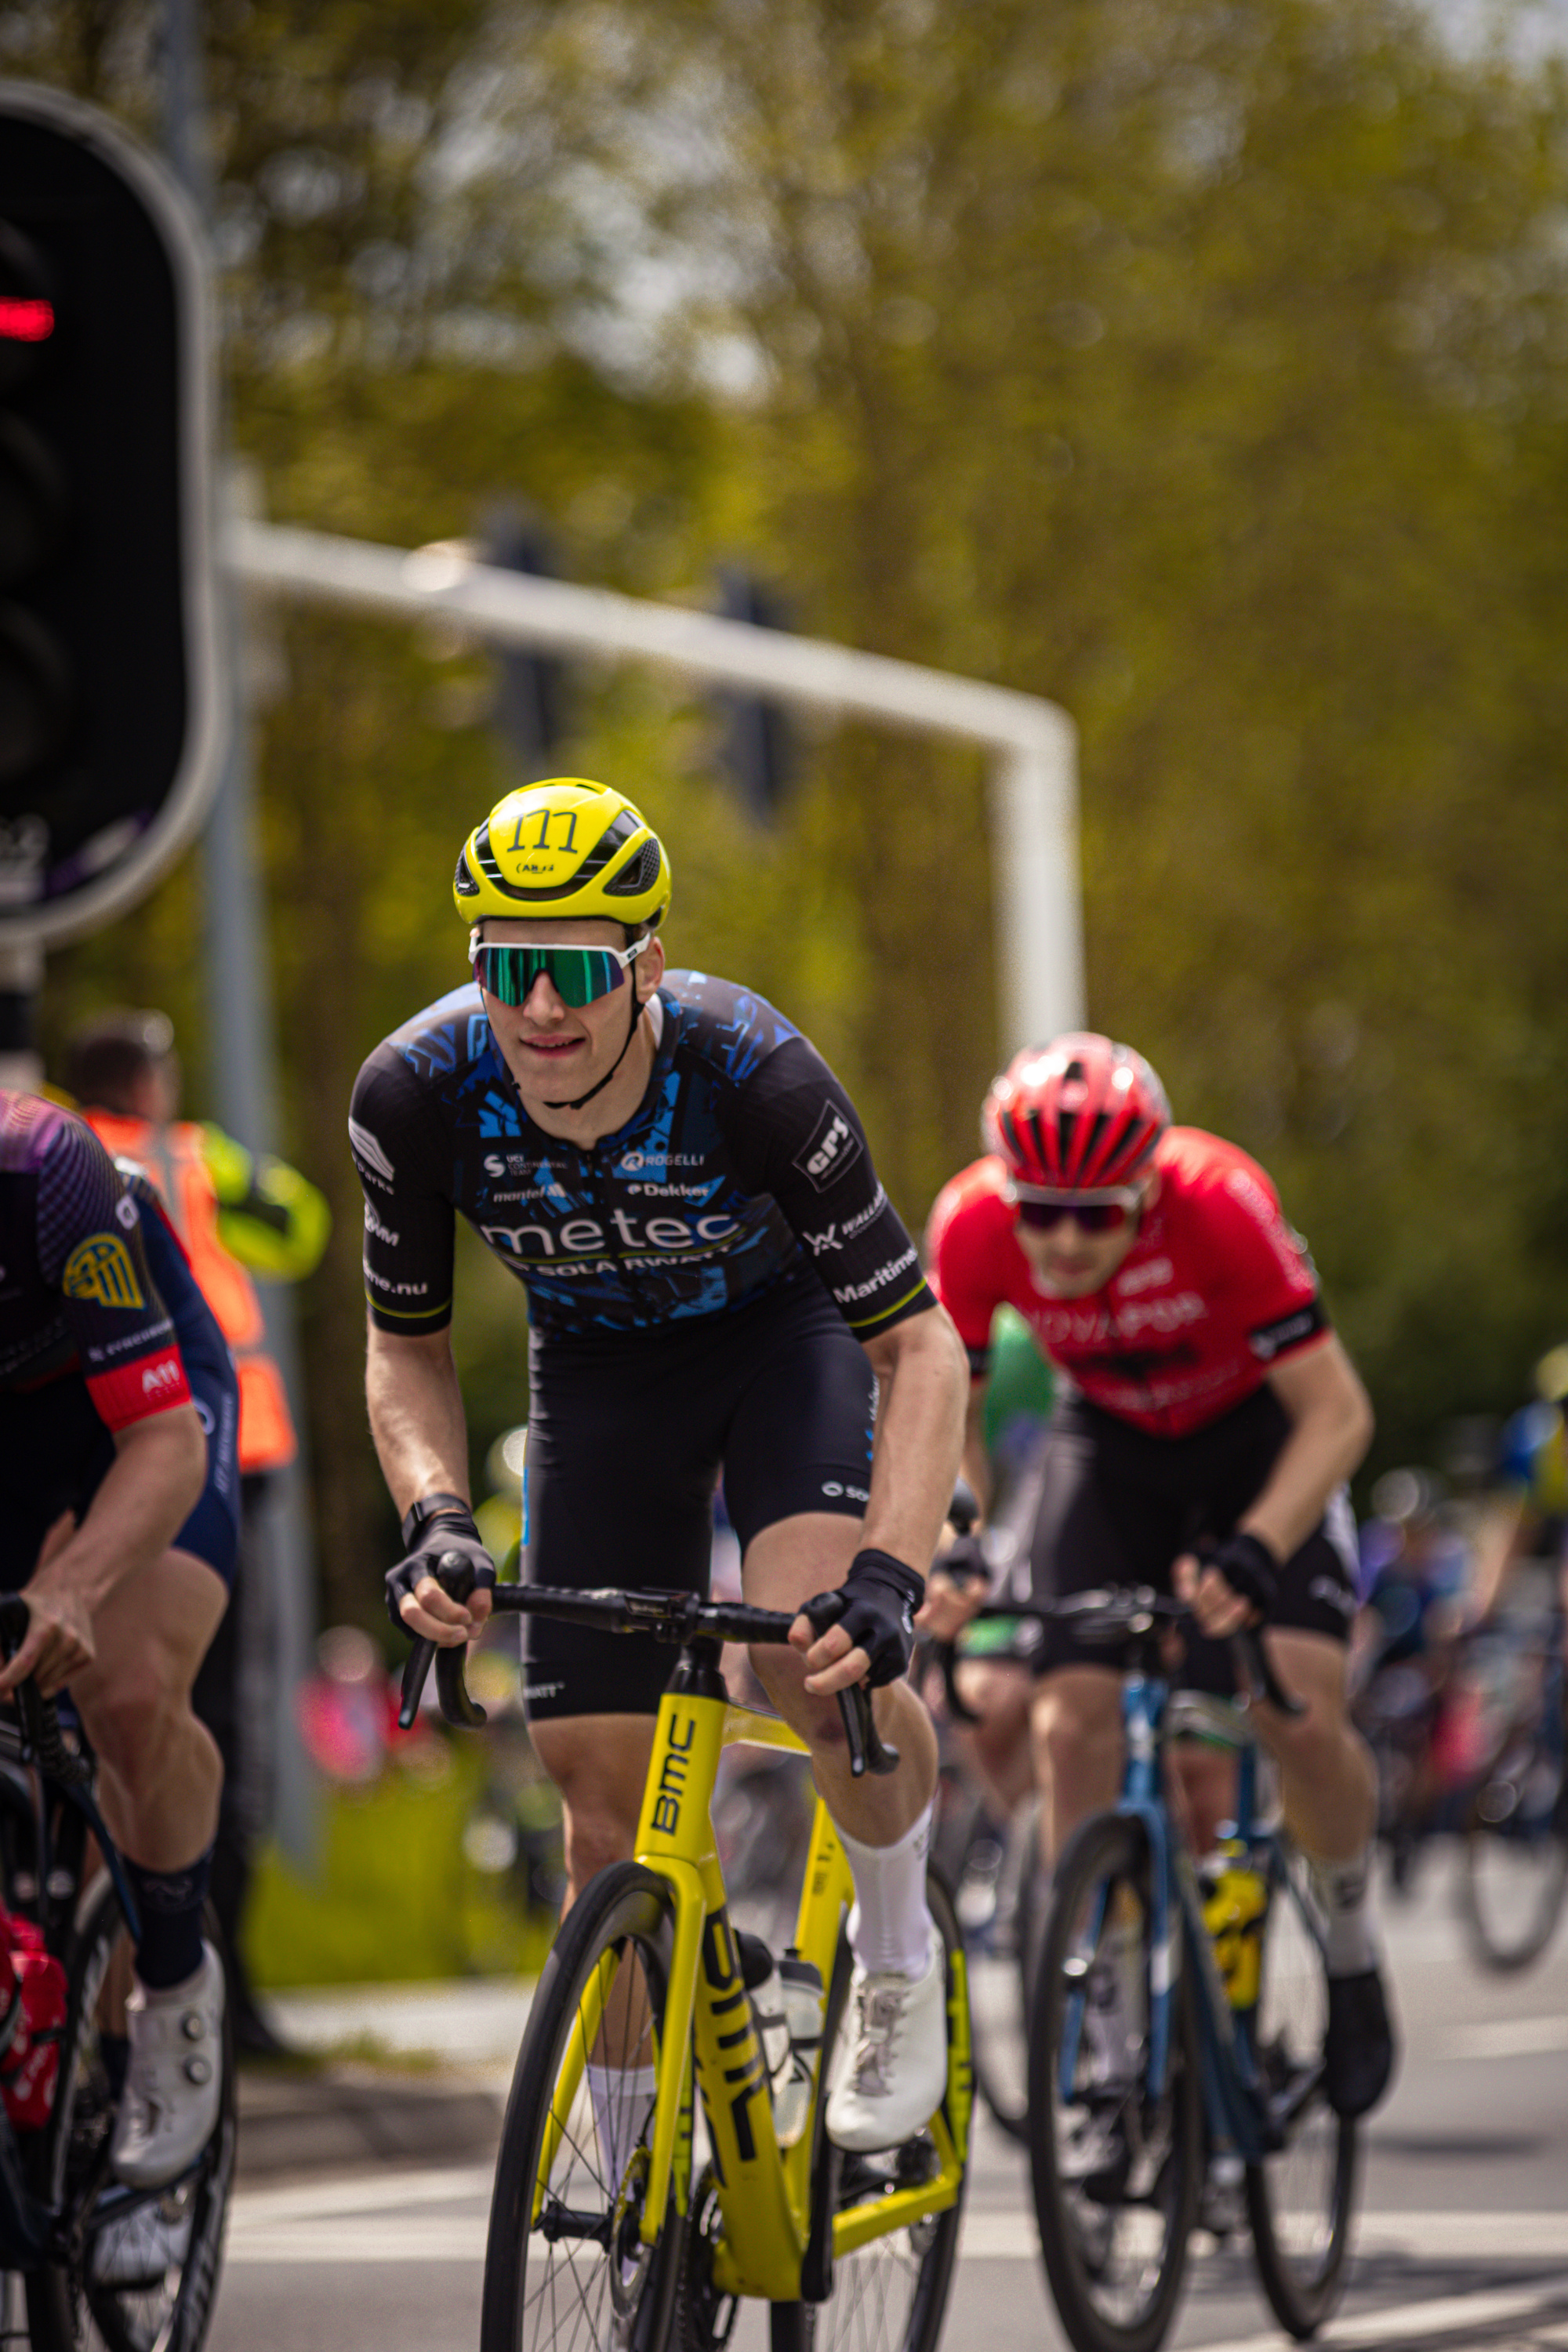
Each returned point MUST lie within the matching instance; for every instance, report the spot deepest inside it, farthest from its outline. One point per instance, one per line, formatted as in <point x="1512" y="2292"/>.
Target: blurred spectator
<point x="237" y="1215"/>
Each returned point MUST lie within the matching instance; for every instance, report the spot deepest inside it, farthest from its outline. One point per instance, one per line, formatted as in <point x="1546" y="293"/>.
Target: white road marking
<point x="387" y="2220"/>
<point x="1505" y="2037"/>
<point x="1416" y="2323"/>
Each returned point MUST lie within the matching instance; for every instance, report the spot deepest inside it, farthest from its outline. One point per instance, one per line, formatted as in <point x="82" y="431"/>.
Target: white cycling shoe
<point x="174" y="2086"/>
<point x="892" y="2069"/>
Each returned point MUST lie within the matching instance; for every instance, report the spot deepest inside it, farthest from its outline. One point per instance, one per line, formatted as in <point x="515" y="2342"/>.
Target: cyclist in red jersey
<point x="1211" y="1421"/>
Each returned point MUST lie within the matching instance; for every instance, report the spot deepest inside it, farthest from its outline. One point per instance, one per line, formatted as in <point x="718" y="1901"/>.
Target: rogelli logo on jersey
<point x="100" y="1268"/>
<point x="833" y="1149"/>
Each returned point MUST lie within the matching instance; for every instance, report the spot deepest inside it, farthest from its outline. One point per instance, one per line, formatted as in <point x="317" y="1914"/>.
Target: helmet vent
<point x="465" y="884"/>
<point x="639" y="873"/>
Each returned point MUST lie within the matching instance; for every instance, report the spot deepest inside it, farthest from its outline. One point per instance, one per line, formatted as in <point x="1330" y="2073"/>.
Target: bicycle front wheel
<point x="142" y="2273"/>
<point x="1513" y="1867"/>
<point x="890" y="2295"/>
<point x="566" y="2267"/>
<point x="1300" y="2199"/>
<point x="1116" y="2159"/>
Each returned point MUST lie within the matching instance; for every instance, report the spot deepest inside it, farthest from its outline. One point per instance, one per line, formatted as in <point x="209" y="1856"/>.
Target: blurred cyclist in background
<point x="1530" y="1519"/>
<point x="238" y="1217"/>
<point x="1211" y="1421"/>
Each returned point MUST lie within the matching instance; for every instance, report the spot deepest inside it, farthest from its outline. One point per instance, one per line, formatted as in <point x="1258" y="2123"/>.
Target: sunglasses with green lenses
<point x="578" y="975"/>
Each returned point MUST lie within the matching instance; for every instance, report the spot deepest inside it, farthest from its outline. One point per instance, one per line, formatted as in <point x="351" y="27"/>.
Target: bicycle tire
<point x="1513" y="1867"/>
<point x="1117" y="2177"/>
<point x="893" y="2293"/>
<point x="999" y="1980"/>
<point x="1300" y="2201"/>
<point x="166" y="2255"/>
<point x="542" y="2291"/>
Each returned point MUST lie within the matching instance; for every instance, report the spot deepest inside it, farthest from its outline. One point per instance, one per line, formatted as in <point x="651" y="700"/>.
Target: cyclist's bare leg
<point x="1076" y="1729"/>
<point x="785" y="1564"/>
<point x="1326" y="1777"/>
<point x="160" y="1773"/>
<point x="599" y="1763"/>
<point x="996" y="1749"/>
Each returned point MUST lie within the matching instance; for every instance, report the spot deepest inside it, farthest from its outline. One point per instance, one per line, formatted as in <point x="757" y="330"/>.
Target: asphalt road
<point x="1463" y="2236"/>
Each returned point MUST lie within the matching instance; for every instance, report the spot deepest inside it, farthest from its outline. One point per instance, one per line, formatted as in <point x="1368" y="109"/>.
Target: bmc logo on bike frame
<point x="672" y="1778"/>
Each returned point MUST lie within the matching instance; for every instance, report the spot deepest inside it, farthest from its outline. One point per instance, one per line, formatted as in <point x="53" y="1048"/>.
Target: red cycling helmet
<point x="1080" y="1113"/>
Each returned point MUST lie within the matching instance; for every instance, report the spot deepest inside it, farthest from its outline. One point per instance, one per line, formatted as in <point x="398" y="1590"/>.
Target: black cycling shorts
<point x="1119" y="1506"/>
<point x="54" y="1452"/>
<point x="627" y="1438"/>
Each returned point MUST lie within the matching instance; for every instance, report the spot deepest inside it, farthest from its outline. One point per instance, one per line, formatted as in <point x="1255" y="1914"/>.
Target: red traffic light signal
<point x="113" y="723"/>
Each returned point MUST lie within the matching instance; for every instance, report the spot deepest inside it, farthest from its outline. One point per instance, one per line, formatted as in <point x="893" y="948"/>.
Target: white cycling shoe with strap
<point x="892" y="2068"/>
<point x="174" y="2085"/>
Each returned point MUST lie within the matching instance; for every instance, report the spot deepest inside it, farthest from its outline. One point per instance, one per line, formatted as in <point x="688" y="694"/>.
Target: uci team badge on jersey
<point x="100" y="1268"/>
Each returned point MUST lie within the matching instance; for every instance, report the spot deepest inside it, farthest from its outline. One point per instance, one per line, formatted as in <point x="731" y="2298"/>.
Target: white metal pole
<point x="1033" y="790"/>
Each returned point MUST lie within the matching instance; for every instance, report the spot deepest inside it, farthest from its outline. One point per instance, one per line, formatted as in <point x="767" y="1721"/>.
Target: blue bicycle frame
<point x="1237" y="2101"/>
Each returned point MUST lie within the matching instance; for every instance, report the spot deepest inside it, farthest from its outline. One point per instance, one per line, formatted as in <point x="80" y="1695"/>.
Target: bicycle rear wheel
<point x="1299" y="2201"/>
<point x="143" y="2273"/>
<point x="891" y="2295"/>
<point x="579" y="2279"/>
<point x="1117" y="2165"/>
<point x="1513" y="1870"/>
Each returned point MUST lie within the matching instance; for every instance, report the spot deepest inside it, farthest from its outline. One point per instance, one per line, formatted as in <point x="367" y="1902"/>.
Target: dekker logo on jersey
<point x="373" y="1161"/>
<point x="100" y="1268"/>
<point x="834" y="1147"/>
<point x="1142" y="1277"/>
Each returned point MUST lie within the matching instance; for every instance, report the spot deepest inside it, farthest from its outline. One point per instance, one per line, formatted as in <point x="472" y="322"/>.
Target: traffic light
<point x="756" y="751"/>
<point x="112" y="722"/>
<point x="531" y="691"/>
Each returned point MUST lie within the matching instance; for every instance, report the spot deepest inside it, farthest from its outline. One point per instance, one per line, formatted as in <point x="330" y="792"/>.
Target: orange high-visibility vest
<point x="174" y="1158"/>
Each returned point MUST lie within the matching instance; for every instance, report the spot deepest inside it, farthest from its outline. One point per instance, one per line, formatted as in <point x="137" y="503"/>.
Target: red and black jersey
<point x="75" y="1292"/>
<point x="1215" y="1291"/>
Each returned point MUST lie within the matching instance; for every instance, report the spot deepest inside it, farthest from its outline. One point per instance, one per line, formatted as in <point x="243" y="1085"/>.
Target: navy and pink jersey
<point x="75" y="1292"/>
<point x="1215" y="1291"/>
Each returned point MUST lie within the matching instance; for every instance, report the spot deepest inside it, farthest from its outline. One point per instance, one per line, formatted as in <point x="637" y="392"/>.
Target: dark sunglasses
<point x="578" y="975"/>
<point x="1104" y="1212"/>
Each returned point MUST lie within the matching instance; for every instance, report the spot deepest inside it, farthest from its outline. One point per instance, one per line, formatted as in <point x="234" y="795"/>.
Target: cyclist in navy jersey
<point x="715" y="1279"/>
<point x="118" y="1410"/>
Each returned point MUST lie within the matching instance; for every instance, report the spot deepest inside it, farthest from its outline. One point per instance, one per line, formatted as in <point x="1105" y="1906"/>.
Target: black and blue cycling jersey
<point x="745" y="1165"/>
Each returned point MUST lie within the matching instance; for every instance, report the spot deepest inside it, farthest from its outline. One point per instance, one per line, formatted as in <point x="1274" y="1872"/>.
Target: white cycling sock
<point x="890" y="1928"/>
<point x="1344" y="1889"/>
<point x="622" y="2097"/>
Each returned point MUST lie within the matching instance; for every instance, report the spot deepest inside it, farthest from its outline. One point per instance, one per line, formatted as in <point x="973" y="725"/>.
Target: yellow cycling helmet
<point x="564" y="847"/>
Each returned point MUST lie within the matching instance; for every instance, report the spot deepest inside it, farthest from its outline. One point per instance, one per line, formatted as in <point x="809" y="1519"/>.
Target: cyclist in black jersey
<point x="715" y="1280"/>
<point x="119" y="1522"/>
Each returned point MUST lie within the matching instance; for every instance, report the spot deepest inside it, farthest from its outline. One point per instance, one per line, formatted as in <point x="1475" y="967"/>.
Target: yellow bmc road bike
<point x="643" y="2188"/>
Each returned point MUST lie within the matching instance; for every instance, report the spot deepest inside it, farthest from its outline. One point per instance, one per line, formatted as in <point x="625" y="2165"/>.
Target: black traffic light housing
<point x="113" y="726"/>
<point x="756" y="749"/>
<point x="531" y="687"/>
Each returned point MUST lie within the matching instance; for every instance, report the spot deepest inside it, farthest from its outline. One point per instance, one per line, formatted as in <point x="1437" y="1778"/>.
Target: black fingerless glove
<point x="876" y="1605"/>
<point x="430" y="1533"/>
<point x="965" y="1561"/>
<point x="1249" y="1568"/>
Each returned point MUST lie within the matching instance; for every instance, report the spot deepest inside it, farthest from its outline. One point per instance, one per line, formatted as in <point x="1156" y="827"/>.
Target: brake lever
<point x="1262" y="1681"/>
<point x="868" y="1750"/>
<point x="454" y="1575"/>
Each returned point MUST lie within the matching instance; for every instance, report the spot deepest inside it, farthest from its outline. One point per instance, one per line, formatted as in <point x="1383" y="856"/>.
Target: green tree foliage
<point x="1196" y="366"/>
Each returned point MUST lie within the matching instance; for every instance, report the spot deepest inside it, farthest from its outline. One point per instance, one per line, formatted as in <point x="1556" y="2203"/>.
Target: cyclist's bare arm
<point x="1332" y="1426"/>
<point x="922" y="1372"/>
<point x="1500" y="1545"/>
<point x="949" y="1606"/>
<point x="148" y="1491"/>
<point x="421" y="1437"/>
